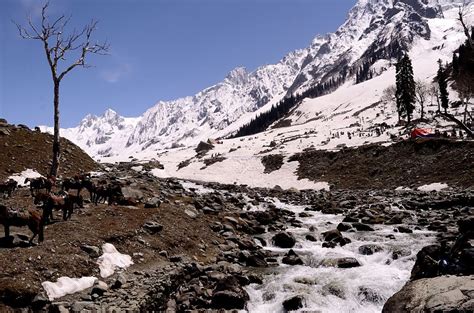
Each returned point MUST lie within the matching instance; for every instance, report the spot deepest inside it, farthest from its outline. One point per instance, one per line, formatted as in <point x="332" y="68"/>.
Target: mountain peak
<point x="109" y="114"/>
<point x="238" y="75"/>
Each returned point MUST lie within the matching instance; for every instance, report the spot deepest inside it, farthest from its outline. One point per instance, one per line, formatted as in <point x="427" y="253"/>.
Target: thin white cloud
<point x="113" y="75"/>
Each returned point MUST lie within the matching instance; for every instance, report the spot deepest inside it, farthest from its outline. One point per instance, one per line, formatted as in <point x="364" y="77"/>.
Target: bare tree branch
<point x="461" y="14"/>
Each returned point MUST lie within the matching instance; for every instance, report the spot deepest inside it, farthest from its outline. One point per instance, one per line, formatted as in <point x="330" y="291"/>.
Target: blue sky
<point x="160" y="50"/>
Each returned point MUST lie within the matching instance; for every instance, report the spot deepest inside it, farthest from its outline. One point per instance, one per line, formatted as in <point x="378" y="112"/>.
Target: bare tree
<point x="433" y="91"/>
<point x="56" y="45"/>
<point x="421" y="93"/>
<point x="465" y="87"/>
<point x="389" y="96"/>
<point x="461" y="16"/>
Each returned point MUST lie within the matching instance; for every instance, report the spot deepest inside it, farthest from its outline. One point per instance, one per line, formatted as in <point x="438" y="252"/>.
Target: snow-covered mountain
<point x="374" y="34"/>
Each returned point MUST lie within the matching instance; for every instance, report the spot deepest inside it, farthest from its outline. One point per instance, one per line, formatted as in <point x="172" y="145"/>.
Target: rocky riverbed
<point x="210" y="246"/>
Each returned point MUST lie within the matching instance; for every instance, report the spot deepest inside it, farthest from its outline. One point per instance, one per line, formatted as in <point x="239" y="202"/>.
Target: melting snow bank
<point x="108" y="262"/>
<point x="66" y="286"/>
<point x="243" y="170"/>
<point x="433" y="187"/>
<point x="28" y="173"/>
<point x="112" y="259"/>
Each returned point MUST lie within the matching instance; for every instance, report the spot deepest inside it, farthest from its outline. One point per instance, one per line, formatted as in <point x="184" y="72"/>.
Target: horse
<point x="66" y="204"/>
<point x="39" y="183"/>
<point x="91" y="187"/>
<point x="77" y="183"/>
<point x="41" y="197"/>
<point x="30" y="218"/>
<point x="8" y="187"/>
<point x="112" y="193"/>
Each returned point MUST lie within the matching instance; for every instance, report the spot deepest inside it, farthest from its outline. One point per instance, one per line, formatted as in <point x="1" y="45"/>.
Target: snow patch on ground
<point x="66" y="286"/>
<point x="199" y="189"/>
<point x="137" y="168"/>
<point x="433" y="187"/>
<point x="111" y="260"/>
<point x="401" y="188"/>
<point x="28" y="173"/>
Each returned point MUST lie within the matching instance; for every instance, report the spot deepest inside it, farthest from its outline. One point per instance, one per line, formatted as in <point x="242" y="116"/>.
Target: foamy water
<point x="329" y="289"/>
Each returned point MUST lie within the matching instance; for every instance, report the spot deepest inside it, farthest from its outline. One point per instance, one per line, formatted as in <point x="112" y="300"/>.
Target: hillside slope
<point x="24" y="149"/>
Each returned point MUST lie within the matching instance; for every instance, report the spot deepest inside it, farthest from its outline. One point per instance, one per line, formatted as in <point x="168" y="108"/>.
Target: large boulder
<point x="293" y="304"/>
<point x="284" y="240"/>
<point x="129" y="192"/>
<point x="427" y="262"/>
<point x="204" y="147"/>
<point x="439" y="294"/>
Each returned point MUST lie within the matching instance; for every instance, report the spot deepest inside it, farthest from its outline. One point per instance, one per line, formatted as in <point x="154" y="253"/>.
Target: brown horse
<point x="66" y="204"/>
<point x="30" y="218"/>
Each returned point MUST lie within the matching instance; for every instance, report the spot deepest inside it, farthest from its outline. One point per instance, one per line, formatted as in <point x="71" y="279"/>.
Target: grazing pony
<point x="30" y="218"/>
<point x="66" y="204"/>
<point x="36" y="184"/>
<point x="8" y="187"/>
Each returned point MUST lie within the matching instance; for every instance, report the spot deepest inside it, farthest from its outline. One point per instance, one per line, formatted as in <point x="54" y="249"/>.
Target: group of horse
<point x="64" y="199"/>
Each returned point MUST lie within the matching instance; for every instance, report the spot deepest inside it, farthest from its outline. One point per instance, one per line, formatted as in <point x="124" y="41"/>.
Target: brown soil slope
<point x="21" y="148"/>
<point x="407" y="163"/>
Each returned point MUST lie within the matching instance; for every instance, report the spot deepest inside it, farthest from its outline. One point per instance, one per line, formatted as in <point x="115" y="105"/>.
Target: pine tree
<point x="405" y="83"/>
<point x="443" y="86"/>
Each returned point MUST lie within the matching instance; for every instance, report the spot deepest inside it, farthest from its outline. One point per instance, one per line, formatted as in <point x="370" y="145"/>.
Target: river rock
<point x="256" y="260"/>
<point x="369" y="249"/>
<point x="284" y="240"/>
<point x="403" y="229"/>
<point x="229" y="295"/>
<point x="294" y="303"/>
<point x="343" y="227"/>
<point x="426" y="264"/>
<point x="332" y="235"/>
<point x="362" y="227"/>
<point x="341" y="262"/>
<point x="291" y="258"/>
<point x="439" y="294"/>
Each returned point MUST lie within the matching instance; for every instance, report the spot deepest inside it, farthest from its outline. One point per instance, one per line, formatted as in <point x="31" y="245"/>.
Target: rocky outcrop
<point x="438" y="294"/>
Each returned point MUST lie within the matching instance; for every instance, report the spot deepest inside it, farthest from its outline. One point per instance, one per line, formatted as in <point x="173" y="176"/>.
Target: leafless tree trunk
<point x="56" y="45"/>
<point x="421" y="92"/>
<point x="433" y="91"/>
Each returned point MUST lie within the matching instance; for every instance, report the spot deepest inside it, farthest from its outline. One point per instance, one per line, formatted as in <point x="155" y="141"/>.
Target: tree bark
<point x="56" y="144"/>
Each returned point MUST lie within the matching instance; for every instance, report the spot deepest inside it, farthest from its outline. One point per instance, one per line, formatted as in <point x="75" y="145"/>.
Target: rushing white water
<point x="330" y="289"/>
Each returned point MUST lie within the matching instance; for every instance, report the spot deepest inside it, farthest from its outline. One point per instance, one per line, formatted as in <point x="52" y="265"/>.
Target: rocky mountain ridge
<point x="374" y="34"/>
